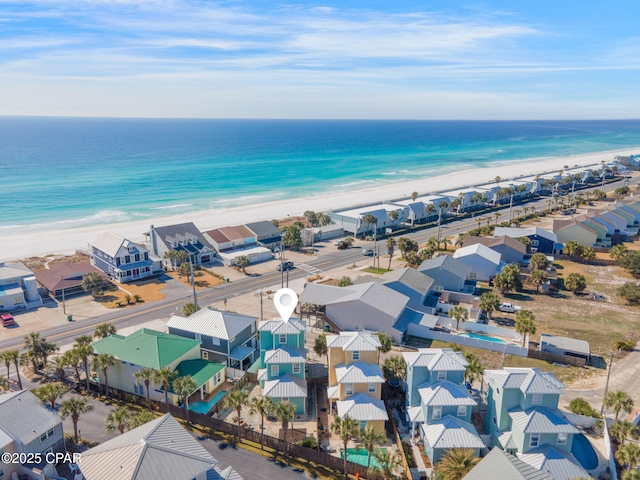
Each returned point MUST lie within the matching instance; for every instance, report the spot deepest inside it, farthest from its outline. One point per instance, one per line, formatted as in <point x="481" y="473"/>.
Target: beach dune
<point x="23" y="245"/>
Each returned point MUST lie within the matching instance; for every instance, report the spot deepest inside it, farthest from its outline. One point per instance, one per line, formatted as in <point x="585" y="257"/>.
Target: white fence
<point x="609" y="449"/>
<point x="480" y="328"/>
<point x="580" y="420"/>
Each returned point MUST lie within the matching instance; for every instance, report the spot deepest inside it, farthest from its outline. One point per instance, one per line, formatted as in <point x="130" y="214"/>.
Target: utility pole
<point x="281" y="265"/>
<point x="193" y="286"/>
<point x="64" y="306"/>
<point x="606" y="387"/>
<point x="260" y="293"/>
<point x="510" y="206"/>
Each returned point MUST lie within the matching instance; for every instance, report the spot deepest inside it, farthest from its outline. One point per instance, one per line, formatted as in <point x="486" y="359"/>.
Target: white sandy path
<point x="68" y="240"/>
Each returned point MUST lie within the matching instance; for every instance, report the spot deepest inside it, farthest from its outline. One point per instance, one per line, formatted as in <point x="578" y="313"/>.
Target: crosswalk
<point x="308" y="268"/>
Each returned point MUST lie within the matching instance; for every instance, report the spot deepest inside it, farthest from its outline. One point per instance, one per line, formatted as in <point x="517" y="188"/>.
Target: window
<point x="296" y="368"/>
<point x="48" y="450"/>
<point x="137" y="257"/>
<point x="198" y="337"/>
<point x="562" y="439"/>
<point x="442" y="375"/>
<point x="534" y="440"/>
<point x="355" y="355"/>
<point x="215" y="341"/>
<point x="438" y="288"/>
<point x="363" y="424"/>
<point x="498" y="391"/>
<point x="436" y="413"/>
<point x="473" y="275"/>
<point x="232" y="339"/>
<point x="127" y="258"/>
<point x="284" y="400"/>
<point x="205" y="355"/>
<point x="536" y="399"/>
<point x="462" y="411"/>
<point x="348" y="389"/>
<point x="372" y="388"/>
<point x="275" y="370"/>
<point x="218" y="377"/>
<point x="43" y="437"/>
<point x="283" y="339"/>
<point x="534" y="243"/>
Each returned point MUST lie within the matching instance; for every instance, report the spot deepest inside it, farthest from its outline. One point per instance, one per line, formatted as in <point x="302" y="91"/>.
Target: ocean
<point x="58" y="173"/>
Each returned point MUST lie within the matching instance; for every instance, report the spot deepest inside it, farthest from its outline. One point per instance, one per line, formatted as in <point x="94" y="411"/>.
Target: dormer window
<point x="355" y="355"/>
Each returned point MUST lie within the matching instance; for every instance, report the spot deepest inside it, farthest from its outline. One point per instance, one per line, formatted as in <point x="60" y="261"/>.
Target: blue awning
<point x="240" y="353"/>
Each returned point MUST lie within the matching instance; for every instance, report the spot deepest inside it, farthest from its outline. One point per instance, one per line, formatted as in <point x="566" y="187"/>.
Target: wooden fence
<point x="558" y="357"/>
<point x="398" y="440"/>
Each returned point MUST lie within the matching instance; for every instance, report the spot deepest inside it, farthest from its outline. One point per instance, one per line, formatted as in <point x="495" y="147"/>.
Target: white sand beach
<point x="20" y="246"/>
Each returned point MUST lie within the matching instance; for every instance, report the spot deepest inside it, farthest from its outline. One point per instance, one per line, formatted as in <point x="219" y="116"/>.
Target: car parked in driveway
<point x="7" y="319"/>
<point x="284" y="266"/>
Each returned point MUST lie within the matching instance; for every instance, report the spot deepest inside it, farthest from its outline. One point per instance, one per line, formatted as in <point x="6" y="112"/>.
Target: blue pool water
<point x="583" y="451"/>
<point x="360" y="456"/>
<point x="481" y="337"/>
<point x="204" y="407"/>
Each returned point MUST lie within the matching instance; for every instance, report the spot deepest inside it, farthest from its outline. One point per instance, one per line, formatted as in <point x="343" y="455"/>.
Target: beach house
<point x="183" y="237"/>
<point x="572" y="230"/>
<point x="237" y="241"/>
<point x="267" y="234"/>
<point x="122" y="259"/>
<point x="510" y="249"/>
<point x="18" y="287"/>
<point x="355" y="378"/>
<point x="448" y="273"/>
<point x="541" y="240"/>
<point x="283" y="360"/>
<point x="159" y="449"/>
<point x="352" y="220"/>
<point x="27" y="427"/>
<point x="483" y="262"/>
<point x="439" y="406"/>
<point x="157" y="350"/>
<point x="63" y="280"/>
<point x="424" y="208"/>
<point x="500" y="465"/>
<point x="226" y="337"/>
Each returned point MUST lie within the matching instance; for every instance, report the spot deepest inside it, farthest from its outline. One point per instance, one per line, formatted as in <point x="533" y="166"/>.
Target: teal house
<point x="438" y="403"/>
<point x="283" y="359"/>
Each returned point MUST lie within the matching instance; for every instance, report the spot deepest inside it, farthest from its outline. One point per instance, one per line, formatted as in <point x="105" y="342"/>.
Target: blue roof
<point x="409" y="315"/>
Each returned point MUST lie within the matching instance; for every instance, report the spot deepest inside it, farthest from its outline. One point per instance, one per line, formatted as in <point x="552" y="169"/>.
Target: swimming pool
<point x="481" y="337"/>
<point x="204" y="407"/>
<point x="360" y="455"/>
<point x="582" y="449"/>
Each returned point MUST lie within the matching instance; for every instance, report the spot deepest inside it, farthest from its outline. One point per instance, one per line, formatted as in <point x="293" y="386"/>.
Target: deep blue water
<point x="67" y="172"/>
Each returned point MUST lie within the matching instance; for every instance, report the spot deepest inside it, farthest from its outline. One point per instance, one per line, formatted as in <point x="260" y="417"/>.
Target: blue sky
<point x="349" y="59"/>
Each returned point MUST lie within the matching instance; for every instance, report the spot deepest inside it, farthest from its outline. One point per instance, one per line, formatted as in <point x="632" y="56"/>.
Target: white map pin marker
<point x="285" y="301"/>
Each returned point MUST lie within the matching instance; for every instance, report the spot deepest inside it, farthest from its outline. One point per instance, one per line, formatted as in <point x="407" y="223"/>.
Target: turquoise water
<point x="481" y="337"/>
<point x="582" y="449"/>
<point x="360" y="456"/>
<point x="204" y="407"/>
<point x="62" y="173"/>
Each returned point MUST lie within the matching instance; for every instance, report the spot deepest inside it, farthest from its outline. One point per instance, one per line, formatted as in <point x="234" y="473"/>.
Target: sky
<point x="375" y="59"/>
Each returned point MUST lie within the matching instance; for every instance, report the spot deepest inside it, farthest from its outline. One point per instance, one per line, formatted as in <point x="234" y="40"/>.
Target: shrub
<point x="127" y="298"/>
<point x="345" y="282"/>
<point x="580" y="406"/>
<point x="631" y="263"/>
<point x="625" y="345"/>
<point x="309" y="442"/>
<point x="576" y="282"/>
<point x="630" y="291"/>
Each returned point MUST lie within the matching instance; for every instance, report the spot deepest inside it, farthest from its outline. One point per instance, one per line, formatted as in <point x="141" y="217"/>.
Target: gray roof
<point x="541" y="420"/>
<point x="263" y="228"/>
<point x="500" y="465"/>
<point x="409" y="277"/>
<point x="436" y="359"/>
<point x="23" y="417"/>
<point x="169" y="233"/>
<point x="446" y="262"/>
<point x="528" y="380"/>
<point x="451" y="432"/>
<point x="158" y="449"/>
<point x="110" y="243"/>
<point x="285" y="387"/>
<point x="214" y="323"/>
<point x="14" y="270"/>
<point x="517" y="232"/>
<point x="480" y="250"/>
<point x="362" y="407"/>
<point x="409" y="315"/>
<point x="565" y="343"/>
<point x="285" y="354"/>
<point x="445" y="394"/>
<point x="359" y="372"/>
<point x="354" y="341"/>
<point x="563" y="466"/>
<point x="492" y="242"/>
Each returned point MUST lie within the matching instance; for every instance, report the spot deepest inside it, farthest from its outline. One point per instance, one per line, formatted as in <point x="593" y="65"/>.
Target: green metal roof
<point x="147" y="348"/>
<point x="200" y="370"/>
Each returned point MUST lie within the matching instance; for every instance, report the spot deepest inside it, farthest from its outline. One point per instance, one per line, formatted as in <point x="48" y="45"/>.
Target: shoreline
<point x="63" y="241"/>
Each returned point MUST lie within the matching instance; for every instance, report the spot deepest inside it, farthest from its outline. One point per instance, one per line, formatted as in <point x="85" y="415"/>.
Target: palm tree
<point x="4" y="356"/>
<point x="387" y="463"/>
<point x="538" y="261"/>
<point x="474" y="369"/>
<point x="346" y="428"/>
<point x="370" y="439"/>
<point x="171" y="256"/>
<point x="619" y="401"/>
<point x="323" y="219"/>
<point x="497" y="180"/>
<point x="370" y="220"/>
<point x="385" y="344"/>
<point x="84" y="352"/>
<point x="164" y="377"/>
<point x="429" y="208"/>
<point x="183" y="387"/>
<point x="497" y="215"/>
<point x="4" y="384"/>
<point x="237" y="400"/>
<point x="119" y="419"/>
<point x="395" y="368"/>
<point x="618" y="251"/>
<point x="284" y="412"/>
<point x="13" y="356"/>
<point x="74" y="407"/>
<point x="102" y="362"/>
<point x="538" y="277"/>
<point x="414" y="195"/>
<point x="142" y="417"/>
<point x="393" y="216"/>
<point x="489" y="302"/>
<point x="32" y="343"/>
<point x="104" y="330"/>
<point x="182" y="256"/>
<point x="630" y="475"/>
<point x="243" y="262"/>
<point x="56" y="367"/>
<point x="320" y="347"/>
<point x="524" y="324"/>
<point x="73" y="360"/>
<point x="145" y="376"/>
<point x="459" y="313"/>
<point x="461" y="236"/>
<point x="456" y="463"/>
<point x="51" y="392"/>
<point x="628" y="455"/>
<point x="262" y="406"/>
<point x="391" y="245"/>
<point x="622" y="429"/>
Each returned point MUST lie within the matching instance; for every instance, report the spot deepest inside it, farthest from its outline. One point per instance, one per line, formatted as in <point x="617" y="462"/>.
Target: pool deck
<point x="223" y="387"/>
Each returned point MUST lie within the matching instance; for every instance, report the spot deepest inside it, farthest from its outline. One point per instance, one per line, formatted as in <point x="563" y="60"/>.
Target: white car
<point x="509" y="308"/>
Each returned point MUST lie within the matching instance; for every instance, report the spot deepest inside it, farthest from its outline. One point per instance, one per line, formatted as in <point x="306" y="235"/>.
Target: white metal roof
<point x="500" y="465"/>
<point x="446" y="394"/>
<point x="451" y="432"/>
<point x="333" y="393"/>
<point x="285" y="354"/>
<point x="361" y="407"/>
<point x="10" y="271"/>
<point x="517" y="232"/>
<point x="436" y="359"/>
<point x="528" y="380"/>
<point x="563" y="466"/>
<point x="23" y="417"/>
<point x="415" y="414"/>
<point x="566" y="343"/>
<point x="541" y="420"/>
<point x="359" y="372"/>
<point x="215" y="323"/>
<point x="354" y="341"/>
<point x="278" y="326"/>
<point x="480" y="250"/>
<point x="110" y="243"/>
<point x="285" y="387"/>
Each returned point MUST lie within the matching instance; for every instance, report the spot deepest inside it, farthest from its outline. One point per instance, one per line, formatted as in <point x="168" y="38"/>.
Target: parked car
<point x="343" y="245"/>
<point x="7" y="319"/>
<point x="509" y="307"/>
<point x="284" y="266"/>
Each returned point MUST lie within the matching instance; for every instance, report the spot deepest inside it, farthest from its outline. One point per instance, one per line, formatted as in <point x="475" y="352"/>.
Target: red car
<point x="6" y="319"/>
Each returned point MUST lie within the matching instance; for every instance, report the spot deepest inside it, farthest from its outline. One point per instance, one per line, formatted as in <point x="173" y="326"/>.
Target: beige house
<point x="567" y="230"/>
<point x="355" y="378"/>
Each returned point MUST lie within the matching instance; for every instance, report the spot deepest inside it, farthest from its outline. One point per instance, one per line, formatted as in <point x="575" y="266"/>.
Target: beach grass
<point x="203" y="279"/>
<point x="148" y="290"/>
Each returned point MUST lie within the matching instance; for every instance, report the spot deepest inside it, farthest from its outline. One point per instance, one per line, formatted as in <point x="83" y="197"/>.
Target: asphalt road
<point x="66" y="333"/>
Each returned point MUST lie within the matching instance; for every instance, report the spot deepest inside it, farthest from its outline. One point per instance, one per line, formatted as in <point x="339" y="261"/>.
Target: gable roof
<point x="214" y="323"/>
<point x="169" y="233"/>
<point x="528" y="380"/>
<point x="558" y="225"/>
<point x="285" y="387"/>
<point x="146" y="347"/>
<point x="495" y="241"/>
<point x="23" y="417"/>
<point x="500" y="465"/>
<point x="66" y="275"/>
<point x="279" y="327"/>
<point x="451" y="432"/>
<point x="445" y="262"/>
<point x="285" y="354"/>
<point x="199" y="370"/>
<point x="110" y="243"/>
<point x="409" y="315"/>
<point x="263" y="228"/>
<point x="361" y="407"/>
<point x="158" y="449"/>
<point x="541" y="420"/>
<point x="445" y="394"/>
<point x="411" y="278"/>
<point x="354" y="341"/>
<point x="562" y="466"/>
<point x="480" y="250"/>
<point x="359" y="372"/>
<point x="517" y="232"/>
<point x="436" y="359"/>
